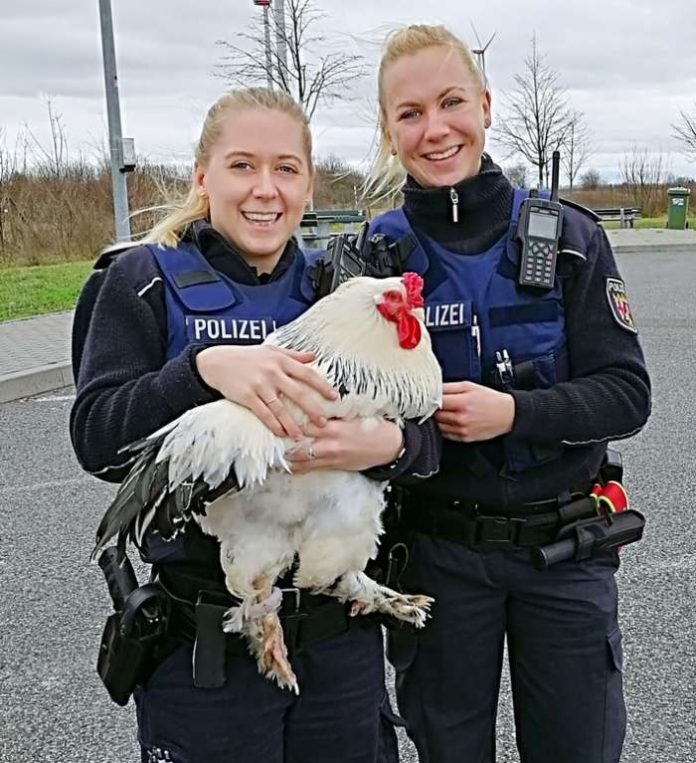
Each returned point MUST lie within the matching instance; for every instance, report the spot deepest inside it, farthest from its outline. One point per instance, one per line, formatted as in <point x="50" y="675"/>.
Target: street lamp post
<point x="281" y="41"/>
<point x="265" y="4"/>
<point x="121" y="152"/>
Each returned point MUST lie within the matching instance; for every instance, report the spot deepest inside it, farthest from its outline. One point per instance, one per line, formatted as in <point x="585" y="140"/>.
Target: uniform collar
<point x="226" y="259"/>
<point x="484" y="207"/>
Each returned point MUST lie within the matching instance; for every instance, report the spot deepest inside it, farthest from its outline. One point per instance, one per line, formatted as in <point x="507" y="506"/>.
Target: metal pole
<point x="118" y="178"/>
<point x="281" y="46"/>
<point x="269" y="52"/>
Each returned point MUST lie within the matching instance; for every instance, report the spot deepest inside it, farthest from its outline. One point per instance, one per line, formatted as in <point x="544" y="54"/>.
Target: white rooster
<point x="370" y="343"/>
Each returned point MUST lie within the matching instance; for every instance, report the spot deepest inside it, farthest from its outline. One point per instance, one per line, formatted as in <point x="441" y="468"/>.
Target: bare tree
<point x="576" y="149"/>
<point x="685" y="133"/>
<point x="336" y="183"/>
<point x="643" y="175"/>
<point x="516" y="174"/>
<point x="591" y="180"/>
<point x="311" y="74"/>
<point x="52" y="159"/>
<point x="536" y="119"/>
<point x="7" y="170"/>
<point x="679" y="181"/>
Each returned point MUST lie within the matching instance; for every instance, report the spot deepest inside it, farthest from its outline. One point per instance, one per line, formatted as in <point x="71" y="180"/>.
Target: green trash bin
<point x="678" y="208"/>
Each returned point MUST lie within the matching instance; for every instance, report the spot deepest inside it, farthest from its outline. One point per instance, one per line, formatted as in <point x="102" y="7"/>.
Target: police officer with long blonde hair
<point x="537" y="382"/>
<point x="174" y="322"/>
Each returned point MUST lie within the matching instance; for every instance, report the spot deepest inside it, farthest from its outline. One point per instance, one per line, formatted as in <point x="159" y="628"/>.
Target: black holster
<point x="591" y="537"/>
<point x="133" y="641"/>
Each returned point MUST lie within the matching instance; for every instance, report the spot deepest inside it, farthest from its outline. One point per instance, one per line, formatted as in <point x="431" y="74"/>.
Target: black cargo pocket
<point x="402" y="644"/>
<point x="615" y="650"/>
<point x="614" y="708"/>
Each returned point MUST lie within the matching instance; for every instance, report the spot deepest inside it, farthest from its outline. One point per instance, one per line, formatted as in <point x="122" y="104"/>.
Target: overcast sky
<point x="628" y="65"/>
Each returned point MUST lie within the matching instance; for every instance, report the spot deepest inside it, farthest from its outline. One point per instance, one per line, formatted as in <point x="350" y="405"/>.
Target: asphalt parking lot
<point x="54" y="602"/>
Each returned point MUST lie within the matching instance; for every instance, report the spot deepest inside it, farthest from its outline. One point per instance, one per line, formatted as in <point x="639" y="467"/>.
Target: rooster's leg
<point x="368" y="596"/>
<point x="257" y="619"/>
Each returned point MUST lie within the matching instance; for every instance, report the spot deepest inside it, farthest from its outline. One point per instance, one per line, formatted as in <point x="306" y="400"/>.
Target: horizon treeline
<point x="58" y="211"/>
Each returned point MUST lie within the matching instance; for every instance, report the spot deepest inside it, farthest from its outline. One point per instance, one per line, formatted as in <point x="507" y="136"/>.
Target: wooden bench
<point x="624" y="215"/>
<point x="319" y="222"/>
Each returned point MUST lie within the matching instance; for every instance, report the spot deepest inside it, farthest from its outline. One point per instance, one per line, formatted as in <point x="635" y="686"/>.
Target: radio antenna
<point x="555" y="172"/>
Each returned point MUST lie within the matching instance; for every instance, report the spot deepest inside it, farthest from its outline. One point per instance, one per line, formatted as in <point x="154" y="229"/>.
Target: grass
<point x="41" y="289"/>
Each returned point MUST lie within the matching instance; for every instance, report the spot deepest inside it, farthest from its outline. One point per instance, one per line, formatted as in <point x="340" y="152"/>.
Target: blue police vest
<point x="474" y="309"/>
<point x="205" y="307"/>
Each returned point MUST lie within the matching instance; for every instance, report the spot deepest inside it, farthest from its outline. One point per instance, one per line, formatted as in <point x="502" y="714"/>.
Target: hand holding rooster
<point x="472" y="413"/>
<point x="256" y="377"/>
<point x="350" y="445"/>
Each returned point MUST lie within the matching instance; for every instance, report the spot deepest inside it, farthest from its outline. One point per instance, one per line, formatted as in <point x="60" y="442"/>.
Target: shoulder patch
<point x="618" y="304"/>
<point x="574" y="205"/>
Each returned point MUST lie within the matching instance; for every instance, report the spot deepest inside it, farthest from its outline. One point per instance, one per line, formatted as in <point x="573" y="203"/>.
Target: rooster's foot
<point x="367" y="595"/>
<point x="272" y="654"/>
<point x="413" y="609"/>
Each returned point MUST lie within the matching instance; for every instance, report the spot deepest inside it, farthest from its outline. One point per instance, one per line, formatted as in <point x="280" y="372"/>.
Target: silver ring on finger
<point x="272" y="400"/>
<point x="310" y="453"/>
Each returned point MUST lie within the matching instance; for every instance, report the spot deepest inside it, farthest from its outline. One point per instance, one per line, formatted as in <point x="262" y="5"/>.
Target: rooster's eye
<point x="393" y="296"/>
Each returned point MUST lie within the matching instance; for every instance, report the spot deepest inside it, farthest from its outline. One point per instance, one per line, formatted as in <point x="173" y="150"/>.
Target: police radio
<point x="349" y="255"/>
<point x="539" y="230"/>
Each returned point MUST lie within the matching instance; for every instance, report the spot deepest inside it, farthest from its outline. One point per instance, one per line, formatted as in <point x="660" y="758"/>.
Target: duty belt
<point x="484" y="527"/>
<point x="198" y="608"/>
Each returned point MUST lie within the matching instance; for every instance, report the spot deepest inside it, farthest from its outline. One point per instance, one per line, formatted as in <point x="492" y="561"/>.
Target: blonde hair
<point x="169" y="230"/>
<point x="386" y="174"/>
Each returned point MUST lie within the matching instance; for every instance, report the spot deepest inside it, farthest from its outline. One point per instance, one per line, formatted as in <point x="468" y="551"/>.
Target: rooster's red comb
<point x="414" y="286"/>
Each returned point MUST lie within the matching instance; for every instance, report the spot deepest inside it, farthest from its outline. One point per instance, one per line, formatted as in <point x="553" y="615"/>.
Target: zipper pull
<point x="476" y="334"/>
<point x="454" y="198"/>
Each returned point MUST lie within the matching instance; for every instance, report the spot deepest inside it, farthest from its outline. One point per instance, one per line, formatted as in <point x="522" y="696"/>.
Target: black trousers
<point x="564" y="649"/>
<point x="337" y="718"/>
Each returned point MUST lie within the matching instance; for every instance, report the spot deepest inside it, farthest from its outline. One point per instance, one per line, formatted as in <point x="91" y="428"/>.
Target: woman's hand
<point x="353" y="446"/>
<point x="471" y="412"/>
<point x="256" y="376"/>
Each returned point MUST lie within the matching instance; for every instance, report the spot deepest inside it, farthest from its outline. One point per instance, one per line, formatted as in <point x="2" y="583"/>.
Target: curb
<point x="645" y="249"/>
<point x="35" y="380"/>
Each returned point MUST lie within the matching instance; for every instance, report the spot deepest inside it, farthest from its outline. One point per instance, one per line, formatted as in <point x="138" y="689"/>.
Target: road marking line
<point x="52" y="399"/>
<point x="44" y="485"/>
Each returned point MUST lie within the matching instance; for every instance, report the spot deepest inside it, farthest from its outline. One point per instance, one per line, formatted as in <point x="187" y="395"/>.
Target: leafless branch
<point x="312" y="75"/>
<point x="536" y="120"/>
<point x="54" y="158"/>
<point x="685" y="133"/>
<point x="576" y="148"/>
<point x="643" y="174"/>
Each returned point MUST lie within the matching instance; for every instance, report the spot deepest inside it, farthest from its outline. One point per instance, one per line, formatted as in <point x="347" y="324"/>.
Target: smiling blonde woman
<point x="174" y="322"/>
<point x="538" y="379"/>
